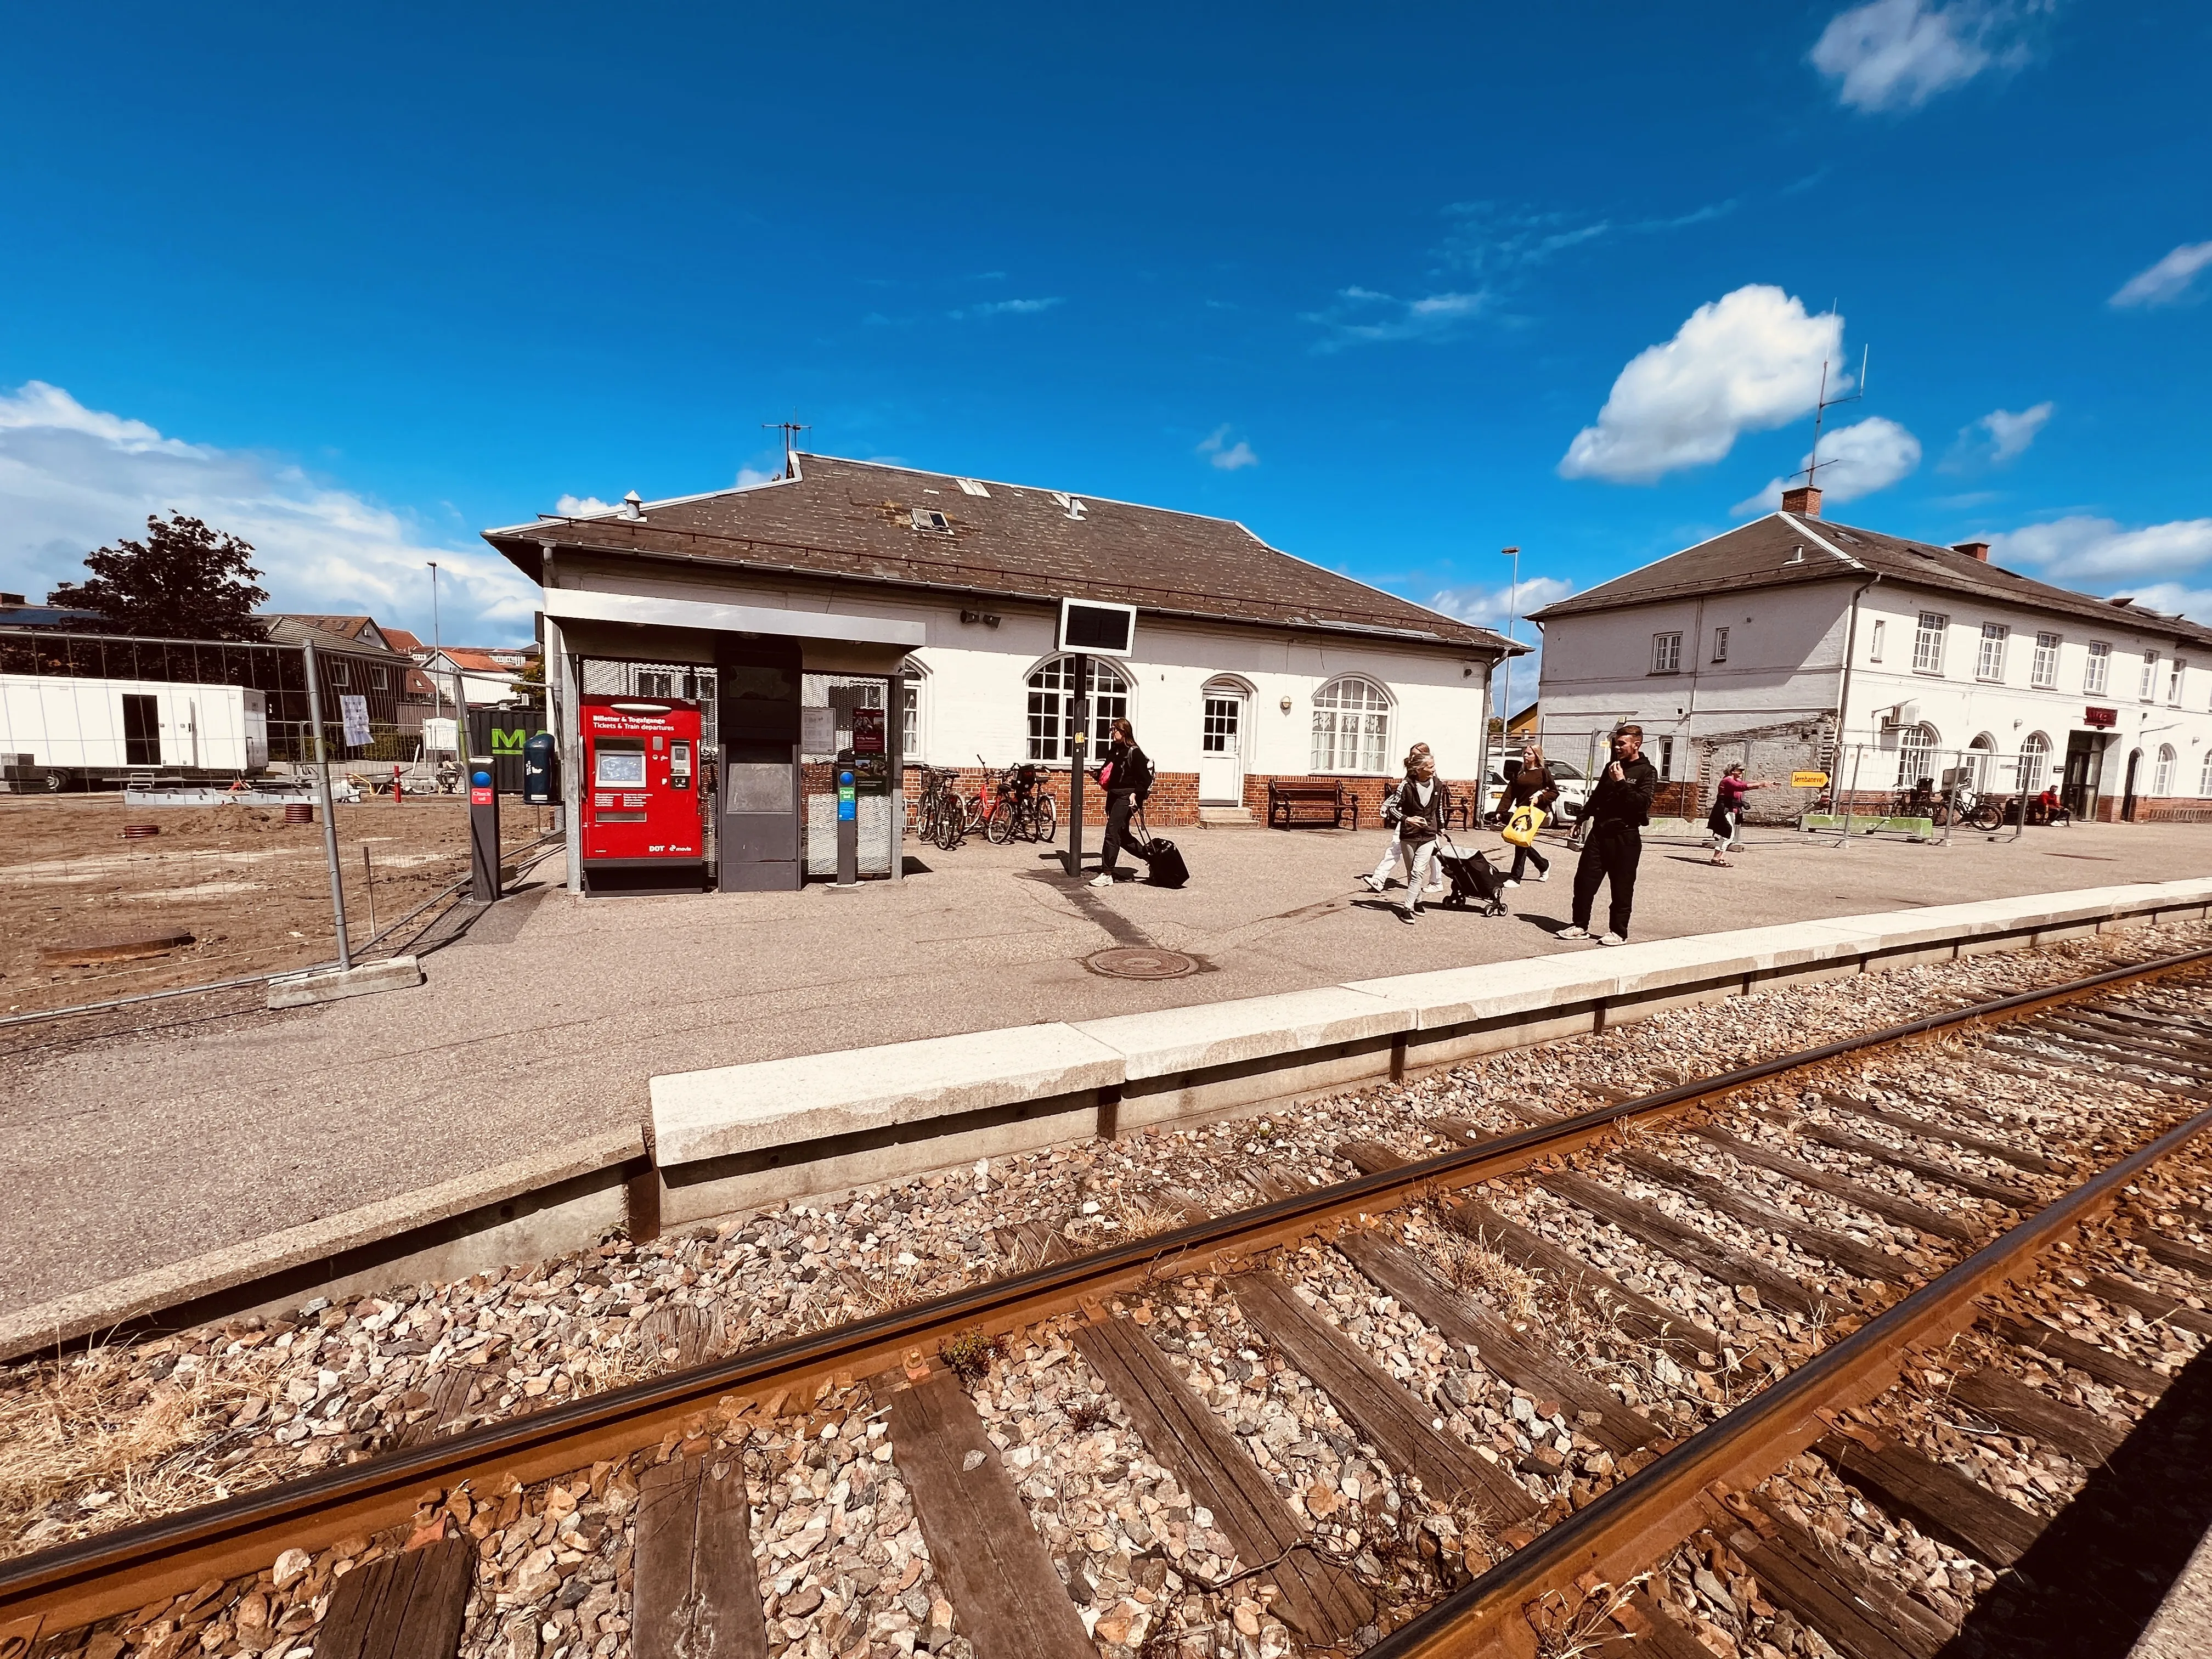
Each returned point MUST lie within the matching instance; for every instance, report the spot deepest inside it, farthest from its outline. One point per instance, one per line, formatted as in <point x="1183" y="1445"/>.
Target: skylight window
<point x="929" y="519"/>
<point x="971" y="487"/>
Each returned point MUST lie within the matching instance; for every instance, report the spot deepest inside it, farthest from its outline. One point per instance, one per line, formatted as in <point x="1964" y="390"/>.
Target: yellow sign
<point x="1808" y="780"/>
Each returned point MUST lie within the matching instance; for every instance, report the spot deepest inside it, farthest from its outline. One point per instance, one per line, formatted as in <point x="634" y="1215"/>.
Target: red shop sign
<point x="2100" y="717"/>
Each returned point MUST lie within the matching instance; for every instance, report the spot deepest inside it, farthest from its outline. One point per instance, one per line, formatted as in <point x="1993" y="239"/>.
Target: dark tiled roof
<point x="851" y="521"/>
<point x="1783" y="549"/>
<point x="362" y="629"/>
<point x="298" y="631"/>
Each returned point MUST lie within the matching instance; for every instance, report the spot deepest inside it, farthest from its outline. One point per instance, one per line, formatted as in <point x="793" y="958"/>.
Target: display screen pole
<point x="1078" y="733"/>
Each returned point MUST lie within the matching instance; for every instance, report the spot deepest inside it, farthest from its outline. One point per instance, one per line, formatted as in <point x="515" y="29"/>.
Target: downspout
<point x="1843" y="689"/>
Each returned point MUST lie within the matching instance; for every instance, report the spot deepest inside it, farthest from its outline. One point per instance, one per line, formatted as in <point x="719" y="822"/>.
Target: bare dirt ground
<point x="252" y="890"/>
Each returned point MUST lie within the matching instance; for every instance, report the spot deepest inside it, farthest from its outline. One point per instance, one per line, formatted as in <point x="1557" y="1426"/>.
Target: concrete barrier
<point x="740" y="1137"/>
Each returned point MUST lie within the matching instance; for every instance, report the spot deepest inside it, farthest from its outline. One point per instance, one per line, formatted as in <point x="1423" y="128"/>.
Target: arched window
<point x="2161" y="777"/>
<point x="2034" y="763"/>
<point x="1915" y="754"/>
<point x="1052" y="687"/>
<point x="2204" y="778"/>
<point x="1979" y="753"/>
<point x="1351" y="726"/>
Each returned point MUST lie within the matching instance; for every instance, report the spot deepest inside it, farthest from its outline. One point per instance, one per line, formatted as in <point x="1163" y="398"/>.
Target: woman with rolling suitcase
<point x="1126" y="776"/>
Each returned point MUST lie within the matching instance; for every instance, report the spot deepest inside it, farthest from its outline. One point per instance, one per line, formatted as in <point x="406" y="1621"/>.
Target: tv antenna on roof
<point x="1821" y="405"/>
<point x="791" y="430"/>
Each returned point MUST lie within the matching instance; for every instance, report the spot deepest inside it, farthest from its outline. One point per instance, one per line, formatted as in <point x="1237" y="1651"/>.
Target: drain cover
<point x="1139" y="962"/>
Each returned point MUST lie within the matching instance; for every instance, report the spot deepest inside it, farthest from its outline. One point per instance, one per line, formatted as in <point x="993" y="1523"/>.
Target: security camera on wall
<point x="1097" y="629"/>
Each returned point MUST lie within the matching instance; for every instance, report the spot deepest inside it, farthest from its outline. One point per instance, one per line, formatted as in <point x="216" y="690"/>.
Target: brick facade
<point x="1174" y="800"/>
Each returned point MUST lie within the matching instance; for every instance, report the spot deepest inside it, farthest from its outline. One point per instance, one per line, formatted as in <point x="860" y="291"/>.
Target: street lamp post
<point x="1512" y="618"/>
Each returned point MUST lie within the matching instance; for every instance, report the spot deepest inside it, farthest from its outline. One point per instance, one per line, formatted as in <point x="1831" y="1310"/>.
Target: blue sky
<point x="1396" y="287"/>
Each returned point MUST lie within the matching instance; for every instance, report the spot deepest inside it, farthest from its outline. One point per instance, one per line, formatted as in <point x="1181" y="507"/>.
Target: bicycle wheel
<point x="973" y="812"/>
<point x="950" y="831"/>
<point x="999" y="825"/>
<point x="1987" y="816"/>
<point x="1048" y="819"/>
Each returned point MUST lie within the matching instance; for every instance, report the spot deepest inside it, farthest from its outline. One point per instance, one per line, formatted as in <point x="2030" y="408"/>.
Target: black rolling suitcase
<point x="1168" y="868"/>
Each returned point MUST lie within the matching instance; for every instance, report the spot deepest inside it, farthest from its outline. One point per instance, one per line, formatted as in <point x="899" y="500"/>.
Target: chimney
<point x="631" y="504"/>
<point x="1804" y="500"/>
<point x="1972" y="549"/>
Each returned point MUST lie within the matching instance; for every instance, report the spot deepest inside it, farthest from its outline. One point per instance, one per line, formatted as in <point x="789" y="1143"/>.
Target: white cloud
<point x="1365" y="317"/>
<point x="1746" y="361"/>
<point x="2010" y="434"/>
<point x="583" y="507"/>
<point x="1491" y="607"/>
<point x="2099" y="552"/>
<point x="2176" y="600"/>
<point x="1893" y="53"/>
<point x="1008" y="307"/>
<point x="72" y="479"/>
<point x="1229" y="457"/>
<point x="2170" y="279"/>
<point x="1855" y="460"/>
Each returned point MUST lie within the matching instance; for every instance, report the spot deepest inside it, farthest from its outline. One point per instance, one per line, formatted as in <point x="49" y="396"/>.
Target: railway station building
<point x="1794" y="642"/>
<point x="850" y="584"/>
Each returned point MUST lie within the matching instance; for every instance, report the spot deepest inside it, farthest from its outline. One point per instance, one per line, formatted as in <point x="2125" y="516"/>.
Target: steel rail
<point x="77" y="1583"/>
<point x="1635" y="1524"/>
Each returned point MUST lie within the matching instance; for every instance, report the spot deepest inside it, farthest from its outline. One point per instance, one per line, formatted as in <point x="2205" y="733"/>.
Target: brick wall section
<point x="1368" y="791"/>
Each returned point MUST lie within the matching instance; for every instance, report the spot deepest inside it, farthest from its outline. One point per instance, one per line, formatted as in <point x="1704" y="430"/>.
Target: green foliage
<point x="185" y="581"/>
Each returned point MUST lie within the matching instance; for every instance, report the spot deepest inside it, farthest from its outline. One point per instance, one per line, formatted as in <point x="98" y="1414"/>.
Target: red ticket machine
<point x="641" y="797"/>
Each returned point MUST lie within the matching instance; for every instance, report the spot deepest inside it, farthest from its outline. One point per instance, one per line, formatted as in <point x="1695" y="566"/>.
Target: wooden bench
<point x="1329" y="803"/>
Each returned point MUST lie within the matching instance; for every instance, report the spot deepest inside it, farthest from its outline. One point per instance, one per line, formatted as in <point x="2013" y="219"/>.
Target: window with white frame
<point x="1351" y="726"/>
<point x="1990" y="664"/>
<point x="339" y="673"/>
<point x="1874" y="648"/>
<point x="2204" y="777"/>
<point x="1980" y="753"/>
<point x="910" y="716"/>
<point x="2034" y="762"/>
<point x="1052" y="695"/>
<point x="2162" y="774"/>
<point x="2149" y="675"/>
<point x="2043" y="672"/>
<point x="1720" y="645"/>
<point x="1928" y="642"/>
<point x="2174" y="676"/>
<point x="1915" y="752"/>
<point x="1666" y="653"/>
<point x="2098" y="674"/>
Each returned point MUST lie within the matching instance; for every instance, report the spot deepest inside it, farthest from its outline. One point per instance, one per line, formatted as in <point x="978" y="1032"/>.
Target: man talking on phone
<point x="1613" y="843"/>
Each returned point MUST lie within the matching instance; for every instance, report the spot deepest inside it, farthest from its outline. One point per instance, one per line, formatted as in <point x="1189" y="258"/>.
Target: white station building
<point x="938" y="595"/>
<point x="1793" y="641"/>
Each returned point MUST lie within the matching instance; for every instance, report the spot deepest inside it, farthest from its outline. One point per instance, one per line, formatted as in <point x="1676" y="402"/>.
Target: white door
<point x="1221" y="750"/>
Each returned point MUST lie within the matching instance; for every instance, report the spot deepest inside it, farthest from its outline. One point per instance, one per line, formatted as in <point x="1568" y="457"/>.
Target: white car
<point x="1574" y="792"/>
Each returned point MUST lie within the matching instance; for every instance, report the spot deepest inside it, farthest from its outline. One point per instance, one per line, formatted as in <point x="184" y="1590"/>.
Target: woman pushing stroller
<point x="1417" y="807"/>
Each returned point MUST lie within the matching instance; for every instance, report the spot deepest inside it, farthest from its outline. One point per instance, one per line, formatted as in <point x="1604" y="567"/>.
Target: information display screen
<point x="1107" y="631"/>
<point x="618" y="763"/>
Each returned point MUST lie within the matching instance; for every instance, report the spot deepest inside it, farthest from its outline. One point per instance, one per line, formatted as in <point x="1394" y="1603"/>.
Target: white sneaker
<point x="1611" y="939"/>
<point x="1102" y="880"/>
<point x="1371" y="884"/>
<point x="1509" y="882"/>
<point x="1574" y="932"/>
<point x="1543" y="875"/>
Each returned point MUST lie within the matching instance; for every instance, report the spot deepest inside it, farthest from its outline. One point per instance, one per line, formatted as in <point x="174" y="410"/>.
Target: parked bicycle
<point x="942" y="819"/>
<point x="1022" y="806"/>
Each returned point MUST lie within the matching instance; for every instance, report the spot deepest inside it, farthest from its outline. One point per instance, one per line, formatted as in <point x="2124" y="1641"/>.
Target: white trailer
<point x="59" y="732"/>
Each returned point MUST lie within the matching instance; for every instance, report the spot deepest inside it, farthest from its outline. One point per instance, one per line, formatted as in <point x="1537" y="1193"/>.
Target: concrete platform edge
<point x="537" y="1205"/>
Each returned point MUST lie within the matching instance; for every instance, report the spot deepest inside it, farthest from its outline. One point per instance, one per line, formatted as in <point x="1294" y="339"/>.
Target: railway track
<point x="1494" y="1396"/>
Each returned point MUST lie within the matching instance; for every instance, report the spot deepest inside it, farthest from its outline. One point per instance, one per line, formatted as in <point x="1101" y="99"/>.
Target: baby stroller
<point x="1471" y="878"/>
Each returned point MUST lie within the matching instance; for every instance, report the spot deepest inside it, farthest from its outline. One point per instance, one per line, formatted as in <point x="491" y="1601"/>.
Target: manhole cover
<point x="1139" y="962"/>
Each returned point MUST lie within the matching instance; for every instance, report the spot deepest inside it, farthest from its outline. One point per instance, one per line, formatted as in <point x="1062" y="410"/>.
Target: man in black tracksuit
<point x="1613" y="840"/>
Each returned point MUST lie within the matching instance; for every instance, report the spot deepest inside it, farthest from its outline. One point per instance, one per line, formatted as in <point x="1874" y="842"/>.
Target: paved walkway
<point x="544" y="1022"/>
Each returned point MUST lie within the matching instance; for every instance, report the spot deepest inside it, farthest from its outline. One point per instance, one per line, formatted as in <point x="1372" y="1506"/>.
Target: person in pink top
<point x="1728" y="810"/>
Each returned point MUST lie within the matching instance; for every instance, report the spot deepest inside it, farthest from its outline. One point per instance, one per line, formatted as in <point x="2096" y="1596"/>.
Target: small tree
<point x="184" y="581"/>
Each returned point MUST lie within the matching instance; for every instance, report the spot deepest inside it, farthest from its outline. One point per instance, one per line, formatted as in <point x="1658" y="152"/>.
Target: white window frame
<point x="2042" y="667"/>
<point x="2149" y="684"/>
<point x="1720" y="644"/>
<point x="1112" y="695"/>
<point x="1928" y="635"/>
<point x="2161" y="771"/>
<point x="1348" y="737"/>
<point x="2204" y="777"/>
<point x="1989" y="661"/>
<point x="1874" y="647"/>
<point x="2035" y="752"/>
<point x="1913" y="741"/>
<point x="1667" y="653"/>
<point x="2097" y="672"/>
<point x="910" y="744"/>
<point x="338" y="672"/>
<point x="2175" y="676"/>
